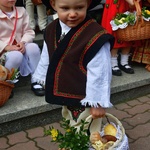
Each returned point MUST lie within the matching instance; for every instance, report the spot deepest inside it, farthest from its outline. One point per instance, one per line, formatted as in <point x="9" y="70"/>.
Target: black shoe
<point x="116" y="71"/>
<point x="11" y="95"/>
<point x="126" y="68"/>
<point x="38" y="91"/>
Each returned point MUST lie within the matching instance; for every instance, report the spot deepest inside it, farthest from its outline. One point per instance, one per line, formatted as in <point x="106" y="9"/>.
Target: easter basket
<point x="79" y="135"/>
<point x="5" y="91"/>
<point x="139" y="31"/>
<point x="122" y="141"/>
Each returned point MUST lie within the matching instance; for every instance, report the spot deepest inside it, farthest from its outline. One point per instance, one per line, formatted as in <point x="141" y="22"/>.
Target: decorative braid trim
<point x="73" y="39"/>
<point x="89" y="44"/>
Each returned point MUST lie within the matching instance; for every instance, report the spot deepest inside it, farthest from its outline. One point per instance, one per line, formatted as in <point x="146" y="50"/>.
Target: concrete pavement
<point x="134" y="115"/>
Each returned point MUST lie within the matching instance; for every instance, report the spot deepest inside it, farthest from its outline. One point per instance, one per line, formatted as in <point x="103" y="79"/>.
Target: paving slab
<point x="138" y="131"/>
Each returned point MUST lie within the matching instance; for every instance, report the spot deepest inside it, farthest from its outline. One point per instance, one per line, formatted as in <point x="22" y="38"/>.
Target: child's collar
<point x="64" y="27"/>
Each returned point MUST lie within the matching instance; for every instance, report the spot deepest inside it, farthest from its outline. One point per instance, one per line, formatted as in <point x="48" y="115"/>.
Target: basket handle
<point x="138" y="13"/>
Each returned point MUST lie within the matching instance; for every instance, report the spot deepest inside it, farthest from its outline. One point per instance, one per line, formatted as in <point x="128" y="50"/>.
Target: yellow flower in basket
<point x="70" y="139"/>
<point x="146" y="14"/>
<point x="125" y="18"/>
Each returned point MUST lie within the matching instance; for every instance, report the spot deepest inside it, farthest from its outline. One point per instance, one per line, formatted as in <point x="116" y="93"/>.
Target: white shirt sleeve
<point x="41" y="70"/>
<point x="99" y="75"/>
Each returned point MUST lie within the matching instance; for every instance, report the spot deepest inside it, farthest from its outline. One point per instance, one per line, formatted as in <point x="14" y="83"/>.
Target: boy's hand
<point x="97" y="112"/>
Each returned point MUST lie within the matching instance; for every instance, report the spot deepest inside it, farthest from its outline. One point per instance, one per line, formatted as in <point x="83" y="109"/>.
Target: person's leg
<point x="19" y="3"/>
<point x="33" y="55"/>
<point x="39" y="75"/>
<point x="114" y="62"/>
<point x="30" y="9"/>
<point x="42" y="17"/>
<point x="13" y="60"/>
<point x="124" y="61"/>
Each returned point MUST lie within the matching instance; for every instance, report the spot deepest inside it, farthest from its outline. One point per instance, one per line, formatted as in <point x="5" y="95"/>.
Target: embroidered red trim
<point x="56" y="78"/>
<point x="89" y="44"/>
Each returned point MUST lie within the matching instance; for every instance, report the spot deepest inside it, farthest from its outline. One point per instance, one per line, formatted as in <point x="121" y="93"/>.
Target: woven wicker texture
<point x="139" y="31"/>
<point x="5" y="91"/>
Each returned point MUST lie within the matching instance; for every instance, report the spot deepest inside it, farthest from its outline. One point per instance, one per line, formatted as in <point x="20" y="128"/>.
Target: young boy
<point x="79" y="66"/>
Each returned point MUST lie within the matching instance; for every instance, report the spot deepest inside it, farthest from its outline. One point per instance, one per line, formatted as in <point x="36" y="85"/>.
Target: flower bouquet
<point x="71" y="139"/>
<point x="122" y="20"/>
<point x="131" y="26"/>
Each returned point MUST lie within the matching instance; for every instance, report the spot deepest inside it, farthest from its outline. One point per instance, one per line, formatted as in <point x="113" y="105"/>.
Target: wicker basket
<point x="122" y="142"/>
<point x="139" y="31"/>
<point x="5" y="91"/>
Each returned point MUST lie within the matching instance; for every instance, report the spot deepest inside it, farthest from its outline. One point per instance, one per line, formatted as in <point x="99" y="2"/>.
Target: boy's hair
<point x="93" y="3"/>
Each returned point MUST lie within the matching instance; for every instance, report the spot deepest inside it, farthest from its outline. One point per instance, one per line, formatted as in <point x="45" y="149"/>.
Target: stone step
<point x="25" y="110"/>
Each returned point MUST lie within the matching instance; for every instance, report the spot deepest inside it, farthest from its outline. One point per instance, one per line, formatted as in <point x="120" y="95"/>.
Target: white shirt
<point x="99" y="74"/>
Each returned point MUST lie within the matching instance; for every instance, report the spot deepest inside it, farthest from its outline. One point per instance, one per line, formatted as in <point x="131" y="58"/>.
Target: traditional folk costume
<point x="142" y="54"/>
<point x="79" y="71"/>
<point x="112" y="7"/>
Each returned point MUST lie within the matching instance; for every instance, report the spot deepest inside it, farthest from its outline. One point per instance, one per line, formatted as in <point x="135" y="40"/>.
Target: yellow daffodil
<point x="68" y="130"/>
<point x="54" y="133"/>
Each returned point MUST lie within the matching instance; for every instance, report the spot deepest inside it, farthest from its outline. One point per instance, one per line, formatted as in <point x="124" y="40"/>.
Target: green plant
<point x="124" y="18"/>
<point x="15" y="75"/>
<point x="71" y="139"/>
<point x="145" y="12"/>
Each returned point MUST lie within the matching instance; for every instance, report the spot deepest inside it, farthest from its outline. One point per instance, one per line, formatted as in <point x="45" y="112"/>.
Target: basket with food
<point x="131" y="26"/>
<point x="111" y="137"/>
<point x="7" y="80"/>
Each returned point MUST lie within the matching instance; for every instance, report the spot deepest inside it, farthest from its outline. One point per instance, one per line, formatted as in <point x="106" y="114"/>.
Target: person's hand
<point x="97" y="112"/>
<point x="11" y="48"/>
<point x="131" y="2"/>
<point x="18" y="47"/>
<point x="21" y="47"/>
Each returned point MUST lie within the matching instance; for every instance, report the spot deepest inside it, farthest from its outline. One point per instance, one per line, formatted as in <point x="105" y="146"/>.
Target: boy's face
<point x="70" y="12"/>
<point x="6" y="5"/>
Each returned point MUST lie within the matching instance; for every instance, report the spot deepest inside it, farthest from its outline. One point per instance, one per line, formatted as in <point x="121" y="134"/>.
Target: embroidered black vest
<point x="66" y="76"/>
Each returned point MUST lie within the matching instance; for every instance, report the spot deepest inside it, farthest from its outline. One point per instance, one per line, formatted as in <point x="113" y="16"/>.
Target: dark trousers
<point x="20" y="3"/>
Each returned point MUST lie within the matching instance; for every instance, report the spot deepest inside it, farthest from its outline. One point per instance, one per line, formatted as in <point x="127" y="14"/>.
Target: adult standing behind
<point x="16" y="39"/>
<point x="42" y="18"/>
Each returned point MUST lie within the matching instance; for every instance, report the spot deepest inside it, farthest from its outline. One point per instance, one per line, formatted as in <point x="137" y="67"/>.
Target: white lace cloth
<point x="123" y="145"/>
<point x="124" y="25"/>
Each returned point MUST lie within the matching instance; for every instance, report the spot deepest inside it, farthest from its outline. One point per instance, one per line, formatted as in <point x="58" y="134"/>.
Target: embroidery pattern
<point x="73" y="39"/>
<point x="55" y="42"/>
<point x="76" y="111"/>
<point x="89" y="44"/>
